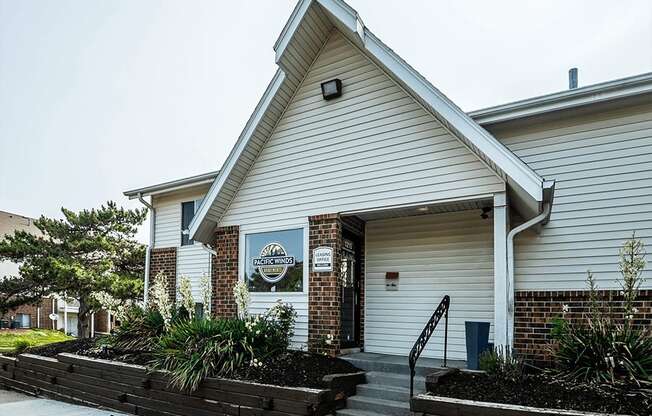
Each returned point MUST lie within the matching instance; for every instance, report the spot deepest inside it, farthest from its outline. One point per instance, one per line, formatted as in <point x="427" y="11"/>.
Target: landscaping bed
<point x="543" y="391"/>
<point x="291" y="368"/>
<point x="135" y="389"/>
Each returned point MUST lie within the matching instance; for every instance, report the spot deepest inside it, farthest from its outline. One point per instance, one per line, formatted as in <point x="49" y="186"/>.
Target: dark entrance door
<point x="350" y="307"/>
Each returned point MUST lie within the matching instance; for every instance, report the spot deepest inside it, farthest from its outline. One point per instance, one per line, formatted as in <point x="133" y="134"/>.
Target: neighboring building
<point x="352" y="150"/>
<point x="40" y="315"/>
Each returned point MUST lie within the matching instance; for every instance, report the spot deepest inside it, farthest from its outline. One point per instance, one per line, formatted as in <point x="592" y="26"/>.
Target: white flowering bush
<point x="118" y="307"/>
<point x="221" y="347"/>
<point x="186" y="300"/>
<point x="159" y="298"/>
<point x="242" y="299"/>
<point x="607" y="346"/>
<point x="205" y="285"/>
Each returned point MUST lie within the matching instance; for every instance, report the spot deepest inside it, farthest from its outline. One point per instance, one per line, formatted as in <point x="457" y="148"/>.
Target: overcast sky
<point x="97" y="97"/>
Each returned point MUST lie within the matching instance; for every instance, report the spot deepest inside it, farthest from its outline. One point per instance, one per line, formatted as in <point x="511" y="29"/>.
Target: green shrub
<point x="195" y="349"/>
<point x="139" y="331"/>
<point x="606" y="346"/>
<point x="502" y="364"/>
<point x="605" y="352"/>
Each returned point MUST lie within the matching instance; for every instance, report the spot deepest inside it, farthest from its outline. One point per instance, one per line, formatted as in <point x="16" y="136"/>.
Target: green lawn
<point x="35" y="337"/>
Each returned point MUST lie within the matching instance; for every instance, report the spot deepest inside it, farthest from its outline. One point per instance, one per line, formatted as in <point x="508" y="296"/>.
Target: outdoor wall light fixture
<point x="331" y="89"/>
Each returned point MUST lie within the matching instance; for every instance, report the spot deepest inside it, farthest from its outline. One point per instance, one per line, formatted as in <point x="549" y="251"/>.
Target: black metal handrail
<point x="420" y="344"/>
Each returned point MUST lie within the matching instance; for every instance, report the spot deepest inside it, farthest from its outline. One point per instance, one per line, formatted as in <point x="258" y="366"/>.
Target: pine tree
<point x="84" y="253"/>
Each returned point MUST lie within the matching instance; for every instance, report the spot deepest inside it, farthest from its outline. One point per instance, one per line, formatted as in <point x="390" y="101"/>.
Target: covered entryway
<point x="412" y="258"/>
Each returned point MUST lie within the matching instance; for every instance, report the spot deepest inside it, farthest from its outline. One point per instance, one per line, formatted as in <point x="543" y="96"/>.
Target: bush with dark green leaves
<point x="195" y="349"/>
<point x="138" y="332"/>
<point x="604" y="351"/>
<point x="607" y="345"/>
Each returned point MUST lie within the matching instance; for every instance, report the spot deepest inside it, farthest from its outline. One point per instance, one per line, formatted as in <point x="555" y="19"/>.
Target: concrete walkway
<point x="13" y="403"/>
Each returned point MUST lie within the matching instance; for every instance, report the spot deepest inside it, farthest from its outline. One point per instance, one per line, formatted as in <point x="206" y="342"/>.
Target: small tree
<point x="85" y="253"/>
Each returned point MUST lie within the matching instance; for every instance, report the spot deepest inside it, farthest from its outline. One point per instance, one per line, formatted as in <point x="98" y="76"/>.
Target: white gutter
<point x="510" y="266"/>
<point x="148" y="255"/>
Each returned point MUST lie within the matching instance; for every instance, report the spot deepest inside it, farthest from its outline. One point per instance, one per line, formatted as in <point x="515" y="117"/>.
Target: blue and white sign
<point x="273" y="262"/>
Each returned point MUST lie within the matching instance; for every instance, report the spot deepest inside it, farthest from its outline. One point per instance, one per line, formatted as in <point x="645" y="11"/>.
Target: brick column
<point x="164" y="260"/>
<point x="324" y="287"/>
<point x="224" y="271"/>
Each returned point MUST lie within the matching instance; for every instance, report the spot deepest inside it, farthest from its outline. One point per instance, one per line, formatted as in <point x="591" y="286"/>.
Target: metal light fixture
<point x="486" y="211"/>
<point x="331" y="89"/>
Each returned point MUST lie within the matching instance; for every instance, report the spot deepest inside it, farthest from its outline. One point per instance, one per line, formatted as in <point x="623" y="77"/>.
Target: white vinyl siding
<point x="372" y="147"/>
<point x="193" y="262"/>
<point x="168" y="216"/>
<point x="603" y="167"/>
<point x="435" y="255"/>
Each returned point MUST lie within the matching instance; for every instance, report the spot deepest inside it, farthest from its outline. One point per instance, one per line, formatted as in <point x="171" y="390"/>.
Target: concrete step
<point x="392" y="364"/>
<point x="379" y="391"/>
<point x="355" y="412"/>
<point x="396" y="380"/>
<point x="381" y="406"/>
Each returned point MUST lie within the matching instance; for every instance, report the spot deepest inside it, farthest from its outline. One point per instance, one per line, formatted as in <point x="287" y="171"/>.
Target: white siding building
<point x="351" y="150"/>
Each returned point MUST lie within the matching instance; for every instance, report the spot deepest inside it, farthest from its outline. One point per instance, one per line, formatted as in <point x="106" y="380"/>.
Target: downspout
<point x="510" y="266"/>
<point x="148" y="255"/>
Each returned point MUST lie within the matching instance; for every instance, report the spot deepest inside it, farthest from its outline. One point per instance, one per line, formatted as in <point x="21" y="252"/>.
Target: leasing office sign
<point x="322" y="259"/>
<point x="273" y="262"/>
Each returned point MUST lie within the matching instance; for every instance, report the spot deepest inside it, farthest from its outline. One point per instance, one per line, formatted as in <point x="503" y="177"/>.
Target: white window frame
<point x="244" y="231"/>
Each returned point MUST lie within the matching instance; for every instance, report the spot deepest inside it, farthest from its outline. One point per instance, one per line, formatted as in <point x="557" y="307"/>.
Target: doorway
<point x="350" y="269"/>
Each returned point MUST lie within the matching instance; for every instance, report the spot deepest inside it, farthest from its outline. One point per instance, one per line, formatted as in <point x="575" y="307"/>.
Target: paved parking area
<point x="13" y="403"/>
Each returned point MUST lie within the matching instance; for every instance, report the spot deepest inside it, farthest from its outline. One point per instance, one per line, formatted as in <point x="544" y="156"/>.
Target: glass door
<point x="349" y="271"/>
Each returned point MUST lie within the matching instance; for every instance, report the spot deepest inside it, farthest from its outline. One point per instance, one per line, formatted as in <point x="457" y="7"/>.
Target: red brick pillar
<point x="324" y="287"/>
<point x="164" y="260"/>
<point x="224" y="271"/>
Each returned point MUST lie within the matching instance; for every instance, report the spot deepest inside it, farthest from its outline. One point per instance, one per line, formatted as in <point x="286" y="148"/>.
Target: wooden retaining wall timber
<point x="131" y="389"/>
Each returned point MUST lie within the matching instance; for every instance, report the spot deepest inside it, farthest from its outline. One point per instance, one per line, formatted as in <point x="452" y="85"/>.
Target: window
<point x="274" y="261"/>
<point x="187" y="213"/>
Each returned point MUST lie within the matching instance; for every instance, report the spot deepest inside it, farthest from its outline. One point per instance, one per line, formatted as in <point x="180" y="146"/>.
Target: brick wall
<point x="164" y="260"/>
<point x="535" y="311"/>
<point x="324" y="287"/>
<point x="224" y="271"/>
<point x="33" y="311"/>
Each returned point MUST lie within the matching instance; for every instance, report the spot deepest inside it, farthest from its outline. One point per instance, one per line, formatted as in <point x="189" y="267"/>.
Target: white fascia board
<point x="200" y="219"/>
<point x="591" y="94"/>
<point x="339" y="9"/>
<point x="291" y="27"/>
<point x="469" y="129"/>
<point x="172" y="185"/>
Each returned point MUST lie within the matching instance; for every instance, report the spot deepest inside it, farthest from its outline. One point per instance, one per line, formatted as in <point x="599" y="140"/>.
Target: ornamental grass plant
<point x="607" y="346"/>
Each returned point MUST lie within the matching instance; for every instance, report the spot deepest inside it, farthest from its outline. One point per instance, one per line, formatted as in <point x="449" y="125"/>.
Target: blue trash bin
<point x="477" y="341"/>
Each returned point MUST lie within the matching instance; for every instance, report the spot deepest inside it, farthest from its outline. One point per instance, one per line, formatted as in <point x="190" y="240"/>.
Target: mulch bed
<point x="296" y="369"/>
<point x="290" y="369"/>
<point x="544" y="391"/>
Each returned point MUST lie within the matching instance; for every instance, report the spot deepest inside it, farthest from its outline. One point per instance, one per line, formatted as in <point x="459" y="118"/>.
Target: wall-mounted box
<point x="391" y="281"/>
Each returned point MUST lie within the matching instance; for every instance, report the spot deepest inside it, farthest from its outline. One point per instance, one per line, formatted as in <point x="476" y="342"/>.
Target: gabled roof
<point x="297" y="46"/>
<point x="175" y="185"/>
